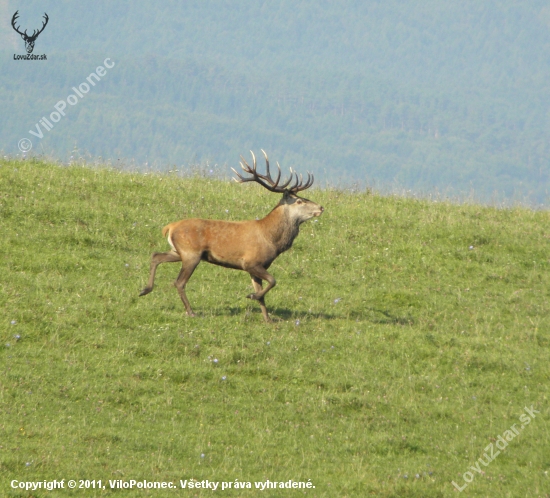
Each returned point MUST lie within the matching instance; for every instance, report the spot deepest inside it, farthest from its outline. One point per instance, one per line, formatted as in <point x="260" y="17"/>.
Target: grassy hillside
<point x="409" y="336"/>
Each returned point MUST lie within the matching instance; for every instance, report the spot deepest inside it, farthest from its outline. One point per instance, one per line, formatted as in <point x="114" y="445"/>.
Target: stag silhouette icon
<point x="29" y="40"/>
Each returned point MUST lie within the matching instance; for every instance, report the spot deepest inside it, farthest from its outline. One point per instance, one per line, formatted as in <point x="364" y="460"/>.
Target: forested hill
<point x="422" y="95"/>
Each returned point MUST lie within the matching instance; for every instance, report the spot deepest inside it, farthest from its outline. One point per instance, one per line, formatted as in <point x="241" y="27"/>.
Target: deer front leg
<point x="257" y="284"/>
<point x="157" y="259"/>
<point x="261" y="273"/>
<point x="258" y="274"/>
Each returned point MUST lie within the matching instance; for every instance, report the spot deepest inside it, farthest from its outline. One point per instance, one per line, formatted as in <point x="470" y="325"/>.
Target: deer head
<point x="29" y="40"/>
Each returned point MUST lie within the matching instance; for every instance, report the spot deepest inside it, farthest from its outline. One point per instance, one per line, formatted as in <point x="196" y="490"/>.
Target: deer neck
<point x="281" y="228"/>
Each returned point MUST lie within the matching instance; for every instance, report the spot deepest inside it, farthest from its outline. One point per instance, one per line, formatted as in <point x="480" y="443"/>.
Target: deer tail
<point x="167" y="230"/>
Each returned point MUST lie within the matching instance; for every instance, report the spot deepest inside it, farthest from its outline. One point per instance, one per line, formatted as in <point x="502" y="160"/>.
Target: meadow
<point x="408" y="335"/>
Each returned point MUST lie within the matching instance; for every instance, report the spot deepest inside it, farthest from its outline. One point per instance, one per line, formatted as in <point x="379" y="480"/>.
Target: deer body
<point x="241" y="245"/>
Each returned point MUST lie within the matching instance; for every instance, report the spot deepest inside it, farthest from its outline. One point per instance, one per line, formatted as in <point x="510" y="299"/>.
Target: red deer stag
<point x="242" y="245"/>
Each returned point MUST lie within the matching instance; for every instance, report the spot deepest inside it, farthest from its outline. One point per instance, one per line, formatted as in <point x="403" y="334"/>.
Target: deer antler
<point x="13" y="19"/>
<point x="267" y="181"/>
<point x="36" y="33"/>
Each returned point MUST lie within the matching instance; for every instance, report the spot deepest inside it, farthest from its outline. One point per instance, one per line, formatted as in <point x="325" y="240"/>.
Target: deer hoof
<point x="252" y="296"/>
<point x="145" y="291"/>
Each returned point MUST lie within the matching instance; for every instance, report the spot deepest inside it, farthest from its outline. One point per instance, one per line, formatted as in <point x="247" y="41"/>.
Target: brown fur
<point x="242" y="245"/>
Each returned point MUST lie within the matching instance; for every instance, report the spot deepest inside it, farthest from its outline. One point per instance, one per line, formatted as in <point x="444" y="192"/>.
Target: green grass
<point x="409" y="334"/>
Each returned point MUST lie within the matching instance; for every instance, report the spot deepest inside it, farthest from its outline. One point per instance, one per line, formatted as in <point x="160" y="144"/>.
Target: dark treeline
<point x="450" y="96"/>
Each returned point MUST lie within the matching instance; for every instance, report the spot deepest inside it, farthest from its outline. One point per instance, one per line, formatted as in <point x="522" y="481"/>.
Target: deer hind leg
<point x="188" y="267"/>
<point x="257" y="283"/>
<point x="157" y="259"/>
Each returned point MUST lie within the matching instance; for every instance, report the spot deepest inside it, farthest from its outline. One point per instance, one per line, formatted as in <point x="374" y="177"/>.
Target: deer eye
<point x="299" y="201"/>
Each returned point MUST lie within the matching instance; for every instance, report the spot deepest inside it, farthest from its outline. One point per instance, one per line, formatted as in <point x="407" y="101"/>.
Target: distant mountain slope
<point x="426" y="95"/>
